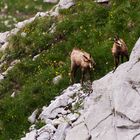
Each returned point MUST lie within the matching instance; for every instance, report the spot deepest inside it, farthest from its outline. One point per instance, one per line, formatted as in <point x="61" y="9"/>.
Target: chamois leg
<point x="72" y="76"/>
<point x="127" y="57"/>
<point x="116" y="61"/>
<point x="82" y="78"/>
<point x="122" y="58"/>
<point x="90" y="73"/>
<point x="73" y="73"/>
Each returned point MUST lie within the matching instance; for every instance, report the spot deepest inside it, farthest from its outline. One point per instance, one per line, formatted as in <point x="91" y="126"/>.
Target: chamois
<point x="119" y="49"/>
<point x="83" y="60"/>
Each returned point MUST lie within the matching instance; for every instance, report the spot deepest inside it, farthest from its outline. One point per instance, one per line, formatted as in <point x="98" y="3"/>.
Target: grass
<point x="86" y="25"/>
<point x="14" y="11"/>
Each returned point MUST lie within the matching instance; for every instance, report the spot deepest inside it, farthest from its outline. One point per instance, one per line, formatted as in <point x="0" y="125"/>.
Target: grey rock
<point x="3" y="36"/>
<point x="13" y="63"/>
<point x="48" y="127"/>
<point x="23" y="34"/>
<point x="14" y="31"/>
<point x="21" y="24"/>
<point x="32" y="118"/>
<point x="50" y="1"/>
<point x="44" y="136"/>
<point x="62" y="4"/>
<point x="46" y="132"/>
<point x="13" y="94"/>
<point x="72" y="117"/>
<point x="3" y="47"/>
<point x="112" y="111"/>
<point x="48" y="121"/>
<point x="80" y="132"/>
<point x="65" y="4"/>
<point x="61" y="101"/>
<point x="41" y="14"/>
<point x="32" y="127"/>
<point x="30" y="136"/>
<point x="101" y="1"/>
<point x="70" y="101"/>
<point x="1" y="77"/>
<point x="58" y="121"/>
<point x="35" y="57"/>
<point x="57" y="79"/>
<point x="60" y="133"/>
<point x="57" y="111"/>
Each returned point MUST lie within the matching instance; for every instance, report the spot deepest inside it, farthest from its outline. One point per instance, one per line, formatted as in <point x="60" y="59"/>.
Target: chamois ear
<point x="116" y="37"/>
<point x="85" y="58"/>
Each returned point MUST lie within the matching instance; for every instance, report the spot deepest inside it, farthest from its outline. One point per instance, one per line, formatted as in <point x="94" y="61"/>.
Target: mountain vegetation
<point x="86" y="25"/>
<point x="15" y="11"/>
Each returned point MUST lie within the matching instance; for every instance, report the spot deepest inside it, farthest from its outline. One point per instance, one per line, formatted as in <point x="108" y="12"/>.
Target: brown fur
<point x="119" y="50"/>
<point x="83" y="60"/>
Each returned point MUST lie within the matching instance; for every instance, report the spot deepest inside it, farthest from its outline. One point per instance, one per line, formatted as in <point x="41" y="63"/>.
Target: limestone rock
<point x="32" y="118"/>
<point x="46" y="132"/>
<point x="4" y="46"/>
<point x="23" y="34"/>
<point x="3" y="36"/>
<point x="14" y="31"/>
<point x="13" y="94"/>
<point x="101" y="1"/>
<point x="13" y="63"/>
<point x="57" y="79"/>
<point x="78" y="132"/>
<point x="112" y="110"/>
<point x="65" y="4"/>
<point x="72" y="117"/>
<point x="58" y="121"/>
<point x="32" y="127"/>
<point x="23" y="23"/>
<point x="35" y="57"/>
<point x="50" y="1"/>
<point x="61" y="101"/>
<point x="44" y="136"/>
<point x="60" y="134"/>
<point x="62" y="4"/>
<point x="1" y="77"/>
<point x="30" y="136"/>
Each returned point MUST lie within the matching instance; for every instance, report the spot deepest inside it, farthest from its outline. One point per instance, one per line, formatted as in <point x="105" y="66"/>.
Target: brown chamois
<point x="119" y="49"/>
<point x="83" y="60"/>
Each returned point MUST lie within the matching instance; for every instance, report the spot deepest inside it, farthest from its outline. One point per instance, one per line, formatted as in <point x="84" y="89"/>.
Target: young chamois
<point x="83" y="60"/>
<point x="119" y="49"/>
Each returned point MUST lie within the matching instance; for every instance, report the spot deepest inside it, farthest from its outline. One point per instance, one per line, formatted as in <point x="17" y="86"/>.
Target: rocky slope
<point x="62" y="4"/>
<point x="109" y="112"/>
<point x="112" y="110"/>
<point x="4" y="42"/>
